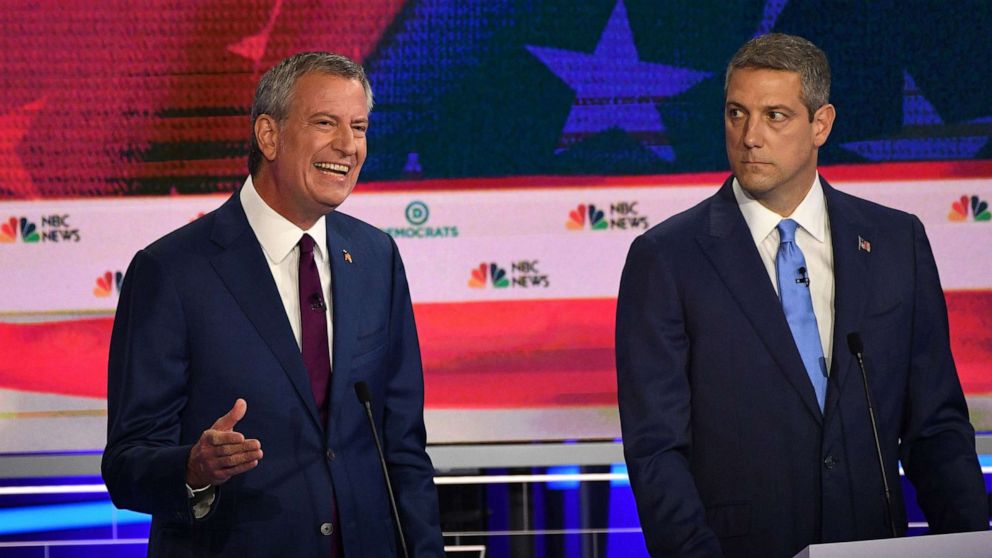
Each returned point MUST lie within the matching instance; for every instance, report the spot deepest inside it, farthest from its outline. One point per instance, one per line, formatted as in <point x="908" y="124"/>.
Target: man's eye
<point x="360" y="129"/>
<point x="735" y="113"/>
<point x="776" y="116"/>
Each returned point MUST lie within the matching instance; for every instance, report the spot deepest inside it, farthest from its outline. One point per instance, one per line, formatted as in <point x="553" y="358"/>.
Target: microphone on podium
<point x="365" y="398"/>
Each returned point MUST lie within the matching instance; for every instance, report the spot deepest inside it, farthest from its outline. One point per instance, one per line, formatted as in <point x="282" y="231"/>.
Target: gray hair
<point x="275" y="89"/>
<point x="777" y="51"/>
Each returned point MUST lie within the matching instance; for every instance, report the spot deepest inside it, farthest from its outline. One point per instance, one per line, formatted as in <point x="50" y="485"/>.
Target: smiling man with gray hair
<point x="239" y="340"/>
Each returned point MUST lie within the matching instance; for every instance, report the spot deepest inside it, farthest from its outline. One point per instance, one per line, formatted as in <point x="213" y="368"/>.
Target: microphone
<point x="857" y="348"/>
<point x="362" y="391"/>
<point x="803" y="278"/>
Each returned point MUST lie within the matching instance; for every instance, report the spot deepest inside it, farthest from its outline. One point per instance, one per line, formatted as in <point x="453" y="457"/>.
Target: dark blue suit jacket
<point x="727" y="449"/>
<point x="199" y="324"/>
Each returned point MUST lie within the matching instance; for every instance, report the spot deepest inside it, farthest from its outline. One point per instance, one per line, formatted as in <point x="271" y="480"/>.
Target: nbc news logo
<point x="623" y="216"/>
<point x="523" y="274"/>
<point x="54" y="228"/>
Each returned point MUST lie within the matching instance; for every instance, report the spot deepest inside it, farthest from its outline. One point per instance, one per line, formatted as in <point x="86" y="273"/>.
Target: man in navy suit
<point x="239" y="339"/>
<point x="745" y="424"/>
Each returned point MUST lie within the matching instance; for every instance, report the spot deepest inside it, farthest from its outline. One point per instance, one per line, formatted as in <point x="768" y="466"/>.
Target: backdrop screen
<point x="515" y="151"/>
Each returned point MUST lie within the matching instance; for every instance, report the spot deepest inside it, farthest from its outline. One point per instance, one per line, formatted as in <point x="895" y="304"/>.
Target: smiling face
<point x="312" y="159"/>
<point x="771" y="143"/>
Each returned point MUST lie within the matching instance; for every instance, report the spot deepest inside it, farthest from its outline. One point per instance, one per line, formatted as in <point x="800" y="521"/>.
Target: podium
<point x="957" y="545"/>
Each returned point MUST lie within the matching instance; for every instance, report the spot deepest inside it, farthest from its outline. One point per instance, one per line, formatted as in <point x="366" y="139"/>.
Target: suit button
<point x="830" y="462"/>
<point x="330" y="455"/>
<point x="326" y="529"/>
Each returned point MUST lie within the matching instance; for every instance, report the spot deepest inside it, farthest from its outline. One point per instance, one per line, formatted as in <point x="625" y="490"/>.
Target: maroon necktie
<point x="317" y="358"/>
<point x="313" y="326"/>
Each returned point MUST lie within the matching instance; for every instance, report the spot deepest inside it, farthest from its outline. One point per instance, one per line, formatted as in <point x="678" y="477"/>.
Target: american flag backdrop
<point x="515" y="150"/>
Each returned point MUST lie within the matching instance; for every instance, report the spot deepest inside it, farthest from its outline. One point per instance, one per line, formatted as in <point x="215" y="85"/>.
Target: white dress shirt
<point x="813" y="238"/>
<point x="279" y="239"/>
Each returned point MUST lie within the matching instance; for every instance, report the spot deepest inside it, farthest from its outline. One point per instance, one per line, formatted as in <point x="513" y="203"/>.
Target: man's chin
<point x="755" y="186"/>
<point x="332" y="195"/>
<point x="332" y="202"/>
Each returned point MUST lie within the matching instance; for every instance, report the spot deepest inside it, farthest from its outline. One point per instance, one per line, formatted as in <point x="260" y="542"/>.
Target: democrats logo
<point x="970" y="208"/>
<point x="523" y="274"/>
<point x="417" y="215"/>
<point x="108" y="284"/>
<point x="53" y="228"/>
<point x="623" y="215"/>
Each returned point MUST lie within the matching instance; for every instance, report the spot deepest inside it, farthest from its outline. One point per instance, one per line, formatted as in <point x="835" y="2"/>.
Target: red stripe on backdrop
<point x="504" y="354"/>
<point x="560" y="352"/>
<point x="970" y="315"/>
<point x="501" y="354"/>
<point x="67" y="358"/>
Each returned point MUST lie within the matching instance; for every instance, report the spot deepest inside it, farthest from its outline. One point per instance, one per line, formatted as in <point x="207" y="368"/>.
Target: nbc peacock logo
<point x="28" y="231"/>
<point x="108" y="283"/>
<point x="583" y="213"/>
<point x="970" y="206"/>
<point x="491" y="272"/>
<point x="617" y="216"/>
<point x="523" y="274"/>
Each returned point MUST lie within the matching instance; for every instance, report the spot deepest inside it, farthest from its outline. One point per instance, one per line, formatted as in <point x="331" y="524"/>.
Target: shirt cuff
<point x="201" y="499"/>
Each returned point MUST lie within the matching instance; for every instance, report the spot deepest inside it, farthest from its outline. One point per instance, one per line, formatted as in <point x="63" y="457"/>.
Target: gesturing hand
<point x="221" y="453"/>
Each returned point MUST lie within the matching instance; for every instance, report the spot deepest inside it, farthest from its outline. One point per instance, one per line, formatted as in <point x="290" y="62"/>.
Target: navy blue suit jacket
<point x="199" y="324"/>
<point x="727" y="449"/>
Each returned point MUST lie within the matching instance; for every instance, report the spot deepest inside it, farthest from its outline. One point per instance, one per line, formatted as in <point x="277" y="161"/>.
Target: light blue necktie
<point x="793" y="288"/>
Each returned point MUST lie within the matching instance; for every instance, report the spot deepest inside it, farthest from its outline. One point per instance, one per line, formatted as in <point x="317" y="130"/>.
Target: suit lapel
<point x="851" y="273"/>
<point x="242" y="266"/>
<point x="731" y="250"/>
<point x="345" y="289"/>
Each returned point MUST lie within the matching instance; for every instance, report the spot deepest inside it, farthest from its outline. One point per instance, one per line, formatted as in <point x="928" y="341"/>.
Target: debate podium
<point x="957" y="545"/>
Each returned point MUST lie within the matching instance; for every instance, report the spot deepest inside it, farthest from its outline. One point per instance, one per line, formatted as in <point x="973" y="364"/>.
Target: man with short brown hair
<point x="745" y="424"/>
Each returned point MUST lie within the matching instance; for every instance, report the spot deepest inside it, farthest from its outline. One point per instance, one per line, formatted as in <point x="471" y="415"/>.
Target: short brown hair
<point x="790" y="53"/>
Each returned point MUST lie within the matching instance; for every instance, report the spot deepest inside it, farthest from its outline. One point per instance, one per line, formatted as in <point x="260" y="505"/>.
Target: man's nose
<point x="753" y="133"/>
<point x="344" y="141"/>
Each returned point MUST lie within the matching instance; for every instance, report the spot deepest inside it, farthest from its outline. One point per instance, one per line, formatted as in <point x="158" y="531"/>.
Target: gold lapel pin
<point x="347" y="256"/>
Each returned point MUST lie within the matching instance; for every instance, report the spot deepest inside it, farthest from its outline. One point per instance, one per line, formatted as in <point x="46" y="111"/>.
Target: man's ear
<point x="267" y="135"/>
<point x="823" y="122"/>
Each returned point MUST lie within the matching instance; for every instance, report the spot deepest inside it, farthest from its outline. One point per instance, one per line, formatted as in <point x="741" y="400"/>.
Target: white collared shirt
<point x="279" y="239"/>
<point x="813" y="238"/>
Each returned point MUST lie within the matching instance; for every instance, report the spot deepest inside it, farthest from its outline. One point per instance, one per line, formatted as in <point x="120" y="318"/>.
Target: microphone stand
<point x="857" y="349"/>
<point x="362" y="391"/>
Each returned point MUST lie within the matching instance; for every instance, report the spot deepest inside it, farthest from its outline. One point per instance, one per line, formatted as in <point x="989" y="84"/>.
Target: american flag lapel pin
<point x="347" y="256"/>
<point x="864" y="245"/>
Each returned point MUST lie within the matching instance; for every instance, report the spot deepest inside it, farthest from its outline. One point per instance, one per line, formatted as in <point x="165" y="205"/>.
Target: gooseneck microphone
<point x="362" y="391"/>
<point x="857" y="348"/>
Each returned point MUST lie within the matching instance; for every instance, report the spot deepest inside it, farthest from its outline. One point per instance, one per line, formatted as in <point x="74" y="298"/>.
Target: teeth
<point x="332" y="167"/>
